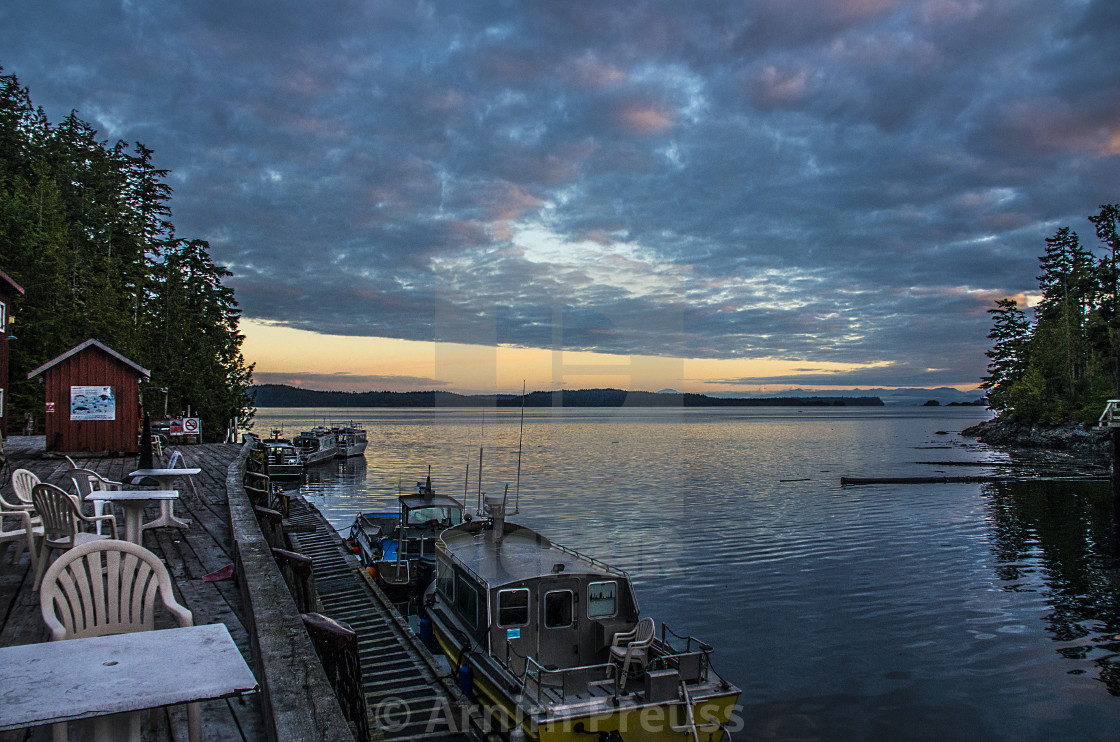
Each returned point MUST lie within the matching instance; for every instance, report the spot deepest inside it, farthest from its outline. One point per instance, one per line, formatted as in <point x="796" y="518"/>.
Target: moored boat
<point x="553" y="645"/>
<point x="351" y="440"/>
<point x="316" y="445"/>
<point x="283" y="459"/>
<point x="401" y="546"/>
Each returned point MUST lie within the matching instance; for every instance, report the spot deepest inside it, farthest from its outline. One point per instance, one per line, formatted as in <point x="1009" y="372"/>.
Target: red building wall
<point x="92" y="367"/>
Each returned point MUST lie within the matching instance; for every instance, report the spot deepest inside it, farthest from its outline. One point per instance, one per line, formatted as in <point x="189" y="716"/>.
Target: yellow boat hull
<point x="655" y="722"/>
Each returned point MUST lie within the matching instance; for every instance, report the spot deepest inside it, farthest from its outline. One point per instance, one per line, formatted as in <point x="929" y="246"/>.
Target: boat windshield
<point x="445" y="516"/>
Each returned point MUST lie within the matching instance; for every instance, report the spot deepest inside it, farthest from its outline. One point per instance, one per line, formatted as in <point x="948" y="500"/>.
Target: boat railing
<point x="693" y="661"/>
<point x="536" y="679"/>
<point x="588" y="558"/>
<point x="441" y="545"/>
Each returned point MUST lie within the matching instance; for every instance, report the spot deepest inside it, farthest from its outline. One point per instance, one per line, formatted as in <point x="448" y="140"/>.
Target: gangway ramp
<point x="409" y="696"/>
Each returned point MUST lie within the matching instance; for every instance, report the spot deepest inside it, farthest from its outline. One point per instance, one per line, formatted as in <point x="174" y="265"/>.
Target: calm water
<point x="888" y="612"/>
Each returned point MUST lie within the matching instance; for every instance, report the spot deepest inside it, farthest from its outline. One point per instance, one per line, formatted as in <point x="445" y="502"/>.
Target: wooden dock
<point x="190" y="554"/>
<point x="407" y="693"/>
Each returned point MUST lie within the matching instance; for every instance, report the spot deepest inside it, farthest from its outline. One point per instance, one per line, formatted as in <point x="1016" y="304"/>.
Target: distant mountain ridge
<point x="282" y="395"/>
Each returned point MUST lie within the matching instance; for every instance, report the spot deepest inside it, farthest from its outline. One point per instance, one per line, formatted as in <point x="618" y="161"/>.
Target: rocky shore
<point x="1091" y="442"/>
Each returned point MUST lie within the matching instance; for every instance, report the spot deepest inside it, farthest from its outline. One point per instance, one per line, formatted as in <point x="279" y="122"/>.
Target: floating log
<point x="852" y="481"/>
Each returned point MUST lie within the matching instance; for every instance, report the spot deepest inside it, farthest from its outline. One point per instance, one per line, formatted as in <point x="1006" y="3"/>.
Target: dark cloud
<point x="843" y="181"/>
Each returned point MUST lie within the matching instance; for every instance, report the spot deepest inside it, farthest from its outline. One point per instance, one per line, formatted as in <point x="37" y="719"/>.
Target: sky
<point x="706" y="196"/>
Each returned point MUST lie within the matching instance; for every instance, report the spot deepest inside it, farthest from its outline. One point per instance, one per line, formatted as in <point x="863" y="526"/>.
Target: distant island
<point x="282" y="395"/>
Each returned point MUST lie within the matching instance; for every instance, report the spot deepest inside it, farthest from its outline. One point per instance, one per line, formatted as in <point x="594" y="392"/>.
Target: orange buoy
<point x="371" y="571"/>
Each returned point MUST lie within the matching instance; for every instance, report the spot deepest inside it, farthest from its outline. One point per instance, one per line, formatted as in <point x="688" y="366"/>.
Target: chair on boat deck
<point x="85" y="482"/>
<point x="631" y="648"/>
<point x="123" y="579"/>
<point x="61" y="518"/>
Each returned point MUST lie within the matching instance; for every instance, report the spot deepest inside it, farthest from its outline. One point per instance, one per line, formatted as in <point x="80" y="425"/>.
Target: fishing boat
<point x="401" y="546"/>
<point x="283" y="459"/>
<point x="551" y="643"/>
<point x="351" y="440"/>
<point x="316" y="445"/>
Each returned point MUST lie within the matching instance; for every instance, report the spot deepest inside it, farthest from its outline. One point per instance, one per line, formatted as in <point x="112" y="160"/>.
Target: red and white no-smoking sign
<point x="185" y="426"/>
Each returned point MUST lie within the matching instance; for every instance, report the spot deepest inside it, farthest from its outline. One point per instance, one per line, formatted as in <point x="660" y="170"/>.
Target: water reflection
<point x="1059" y="539"/>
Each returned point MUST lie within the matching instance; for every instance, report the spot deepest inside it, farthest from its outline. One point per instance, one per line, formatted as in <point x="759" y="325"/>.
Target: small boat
<point x="316" y="445"/>
<point x="401" y="546"/>
<point x="351" y="440"/>
<point x="283" y="459"/>
<point x="552" y="645"/>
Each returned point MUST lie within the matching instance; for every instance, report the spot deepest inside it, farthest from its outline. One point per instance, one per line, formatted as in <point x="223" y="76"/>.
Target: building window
<point x="3" y="317"/>
<point x="558" y="611"/>
<point x="601" y="601"/>
<point x="513" y="607"/>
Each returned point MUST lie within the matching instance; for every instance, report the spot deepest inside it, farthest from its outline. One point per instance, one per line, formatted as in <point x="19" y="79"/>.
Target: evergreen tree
<point x="86" y="229"/>
<point x="1011" y="332"/>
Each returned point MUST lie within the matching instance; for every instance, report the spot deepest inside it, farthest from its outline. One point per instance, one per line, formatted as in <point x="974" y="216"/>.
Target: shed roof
<point x="5" y="279"/>
<point x="79" y="348"/>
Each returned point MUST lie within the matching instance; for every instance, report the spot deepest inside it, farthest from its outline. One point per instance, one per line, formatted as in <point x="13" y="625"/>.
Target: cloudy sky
<point x="706" y="195"/>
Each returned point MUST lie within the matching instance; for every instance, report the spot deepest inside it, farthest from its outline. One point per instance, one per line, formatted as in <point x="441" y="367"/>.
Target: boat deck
<point x="190" y="553"/>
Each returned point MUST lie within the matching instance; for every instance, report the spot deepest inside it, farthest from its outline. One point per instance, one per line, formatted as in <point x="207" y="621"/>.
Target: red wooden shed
<point x="8" y="290"/>
<point x="93" y="399"/>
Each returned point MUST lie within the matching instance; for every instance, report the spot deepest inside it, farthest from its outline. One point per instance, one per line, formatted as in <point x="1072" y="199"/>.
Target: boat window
<point x="558" y="611"/>
<point x="466" y="600"/>
<point x="446" y="517"/>
<point x="445" y="583"/>
<point x="513" y="607"/>
<point x="601" y="599"/>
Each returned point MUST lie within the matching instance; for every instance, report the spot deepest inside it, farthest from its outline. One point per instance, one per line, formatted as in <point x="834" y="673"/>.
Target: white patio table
<point x="77" y="679"/>
<point x="134" y="502"/>
<point x="166" y="478"/>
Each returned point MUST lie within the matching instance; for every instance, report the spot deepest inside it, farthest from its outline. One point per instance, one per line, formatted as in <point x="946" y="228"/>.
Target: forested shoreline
<point x="85" y="228"/>
<point x="1051" y="373"/>
<point x="282" y="395"/>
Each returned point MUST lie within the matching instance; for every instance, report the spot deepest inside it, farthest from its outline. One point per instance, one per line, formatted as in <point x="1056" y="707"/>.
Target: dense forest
<point x="281" y="395"/>
<point x="85" y="228"/>
<point x="1063" y="363"/>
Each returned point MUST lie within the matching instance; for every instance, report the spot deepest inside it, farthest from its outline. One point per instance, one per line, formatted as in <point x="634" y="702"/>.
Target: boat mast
<point x="520" y="438"/>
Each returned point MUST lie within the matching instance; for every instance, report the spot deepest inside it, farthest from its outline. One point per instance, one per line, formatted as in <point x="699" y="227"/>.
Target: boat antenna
<point x="478" y="502"/>
<point x="520" y="438"/>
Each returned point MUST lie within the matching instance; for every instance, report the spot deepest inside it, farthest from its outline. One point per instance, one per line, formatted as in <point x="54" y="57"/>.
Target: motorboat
<point x="316" y="445"/>
<point x="283" y="459"/>
<point x="552" y="645"/>
<point x="401" y="547"/>
<point x="351" y="440"/>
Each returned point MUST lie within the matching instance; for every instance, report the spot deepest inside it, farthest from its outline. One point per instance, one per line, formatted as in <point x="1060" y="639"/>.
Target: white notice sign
<point x="93" y="403"/>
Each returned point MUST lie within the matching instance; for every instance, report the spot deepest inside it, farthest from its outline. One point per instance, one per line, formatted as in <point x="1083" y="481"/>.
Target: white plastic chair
<point x="110" y="587"/>
<point x="61" y="524"/>
<point x="179" y="461"/>
<point x="85" y="482"/>
<point x="631" y="648"/>
<point x="23" y="535"/>
<point x="22" y="482"/>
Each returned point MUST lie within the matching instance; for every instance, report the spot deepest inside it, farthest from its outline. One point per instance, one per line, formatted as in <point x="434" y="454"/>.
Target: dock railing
<point x="298" y="701"/>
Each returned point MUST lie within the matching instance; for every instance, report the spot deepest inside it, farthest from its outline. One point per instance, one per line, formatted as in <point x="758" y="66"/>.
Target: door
<point x="559" y="623"/>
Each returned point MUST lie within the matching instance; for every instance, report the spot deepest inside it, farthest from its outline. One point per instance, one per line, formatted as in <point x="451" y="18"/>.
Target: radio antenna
<point x="520" y="439"/>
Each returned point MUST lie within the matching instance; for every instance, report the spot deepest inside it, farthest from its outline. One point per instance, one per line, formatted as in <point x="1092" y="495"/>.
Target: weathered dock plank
<point x="190" y="553"/>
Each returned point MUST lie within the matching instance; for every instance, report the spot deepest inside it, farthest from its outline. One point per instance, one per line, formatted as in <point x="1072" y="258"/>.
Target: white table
<point x="121" y="673"/>
<point x="134" y="502"/>
<point x="166" y="478"/>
